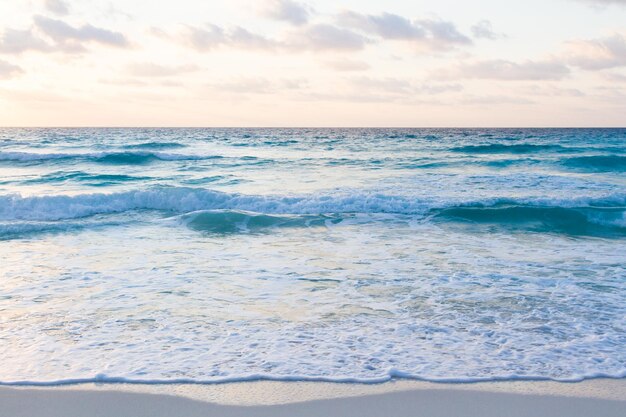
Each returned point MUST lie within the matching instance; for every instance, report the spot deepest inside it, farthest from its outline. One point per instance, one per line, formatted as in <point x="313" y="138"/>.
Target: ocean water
<point x="214" y="255"/>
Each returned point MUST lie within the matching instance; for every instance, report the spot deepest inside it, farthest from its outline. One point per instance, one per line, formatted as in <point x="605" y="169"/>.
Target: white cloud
<point x="489" y="100"/>
<point x="148" y="69"/>
<point x="213" y="36"/>
<point x="315" y="37"/>
<point x="287" y="10"/>
<point x="484" y="30"/>
<point x="243" y="38"/>
<point x="257" y="85"/>
<point x="552" y="91"/>
<point x="62" y="32"/>
<point x="58" y="7"/>
<point x="14" y="41"/>
<point x="53" y="35"/>
<point x="206" y="38"/>
<point x="499" y="69"/>
<point x="350" y="32"/>
<point x="8" y="70"/>
<point x="324" y="36"/>
<point x="386" y="85"/>
<point x="347" y="65"/>
<point x="432" y="89"/>
<point x="436" y="34"/>
<point x="603" y="2"/>
<point x="386" y="25"/>
<point x="398" y="86"/>
<point x="615" y="77"/>
<point x="597" y="54"/>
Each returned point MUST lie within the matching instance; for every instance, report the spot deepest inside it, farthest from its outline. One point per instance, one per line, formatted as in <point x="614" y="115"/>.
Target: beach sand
<point x="599" y="397"/>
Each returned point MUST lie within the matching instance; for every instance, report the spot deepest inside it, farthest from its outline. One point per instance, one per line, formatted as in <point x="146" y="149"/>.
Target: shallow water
<point x="336" y="254"/>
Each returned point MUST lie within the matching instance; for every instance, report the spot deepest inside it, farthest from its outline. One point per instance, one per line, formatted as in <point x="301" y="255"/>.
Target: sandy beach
<point x="601" y="397"/>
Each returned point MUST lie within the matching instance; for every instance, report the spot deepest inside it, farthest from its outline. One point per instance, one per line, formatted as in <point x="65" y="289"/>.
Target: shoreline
<point x="602" y="397"/>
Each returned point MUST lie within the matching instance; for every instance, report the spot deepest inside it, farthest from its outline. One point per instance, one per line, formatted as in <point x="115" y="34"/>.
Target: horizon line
<point x="308" y="127"/>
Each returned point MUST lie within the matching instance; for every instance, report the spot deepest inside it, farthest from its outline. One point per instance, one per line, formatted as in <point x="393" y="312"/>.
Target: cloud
<point x="387" y="26"/>
<point x="61" y="32"/>
<point x="14" y="41"/>
<point x="495" y="99"/>
<point x="432" y="33"/>
<point x="615" y="77"/>
<point x="597" y="54"/>
<point x="432" y="89"/>
<point x="242" y="38"/>
<point x="351" y="32"/>
<point x="52" y="35"/>
<point x="396" y="86"/>
<point x="552" y="91"/>
<point x="8" y="70"/>
<point x="257" y="85"/>
<point x="484" y="30"/>
<point x="603" y="3"/>
<point x="347" y="65"/>
<point x="384" y="90"/>
<point x="324" y="36"/>
<point x="213" y="36"/>
<point x="156" y="81"/>
<point x="386" y="85"/>
<point x="148" y="69"/>
<point x="499" y="69"/>
<point x="58" y="7"/>
<point x="314" y="37"/>
<point x="444" y="33"/>
<point x="287" y="10"/>
<point x="205" y="38"/>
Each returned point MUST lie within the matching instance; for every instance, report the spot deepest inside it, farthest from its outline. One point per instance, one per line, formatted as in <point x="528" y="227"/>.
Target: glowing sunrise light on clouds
<point x="312" y="63"/>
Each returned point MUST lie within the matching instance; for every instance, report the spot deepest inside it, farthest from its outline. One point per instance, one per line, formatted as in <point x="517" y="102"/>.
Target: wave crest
<point x="520" y="148"/>
<point x="598" y="163"/>
<point x="576" y="221"/>
<point x="155" y="145"/>
<point x="185" y="200"/>
<point x="233" y="221"/>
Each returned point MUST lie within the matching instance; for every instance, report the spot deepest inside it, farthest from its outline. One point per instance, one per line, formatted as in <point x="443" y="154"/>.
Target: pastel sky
<point x="313" y="63"/>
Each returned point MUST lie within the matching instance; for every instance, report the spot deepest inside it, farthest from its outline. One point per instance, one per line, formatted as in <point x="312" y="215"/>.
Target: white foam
<point x="183" y="200"/>
<point x="392" y="374"/>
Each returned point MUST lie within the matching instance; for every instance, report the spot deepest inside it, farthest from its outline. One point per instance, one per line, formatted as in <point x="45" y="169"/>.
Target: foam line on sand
<point x="403" y="398"/>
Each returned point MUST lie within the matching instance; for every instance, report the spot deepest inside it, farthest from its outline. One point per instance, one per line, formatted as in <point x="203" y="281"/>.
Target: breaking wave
<point x="214" y="211"/>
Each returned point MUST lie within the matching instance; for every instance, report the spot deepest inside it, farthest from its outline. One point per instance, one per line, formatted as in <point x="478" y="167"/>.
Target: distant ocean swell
<point x="137" y="155"/>
<point x="155" y="145"/>
<point x="121" y="158"/>
<point x="496" y="148"/>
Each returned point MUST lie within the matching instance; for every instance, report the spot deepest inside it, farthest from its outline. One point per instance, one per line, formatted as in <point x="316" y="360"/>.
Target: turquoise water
<point x="213" y="255"/>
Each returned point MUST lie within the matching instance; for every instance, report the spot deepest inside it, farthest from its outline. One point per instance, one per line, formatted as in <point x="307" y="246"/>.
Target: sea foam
<point x="182" y="200"/>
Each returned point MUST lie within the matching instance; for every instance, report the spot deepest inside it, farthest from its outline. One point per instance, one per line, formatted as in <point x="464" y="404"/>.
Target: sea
<point x="357" y="255"/>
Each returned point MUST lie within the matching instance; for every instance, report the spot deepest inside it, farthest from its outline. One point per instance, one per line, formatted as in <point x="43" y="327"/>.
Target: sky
<point x="397" y="63"/>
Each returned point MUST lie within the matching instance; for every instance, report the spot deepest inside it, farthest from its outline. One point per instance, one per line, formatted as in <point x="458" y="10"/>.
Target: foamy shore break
<point x="598" y="397"/>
